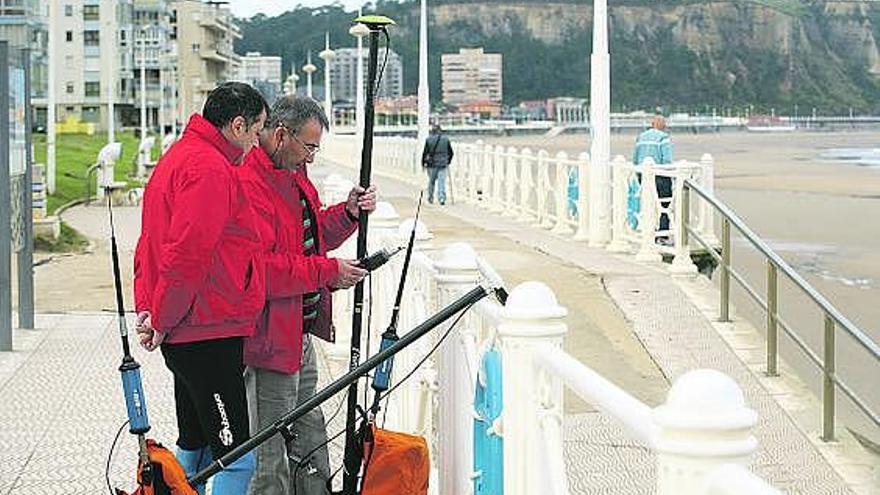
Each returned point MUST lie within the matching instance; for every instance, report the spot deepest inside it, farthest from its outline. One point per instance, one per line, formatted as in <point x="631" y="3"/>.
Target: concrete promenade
<point x="62" y="402"/>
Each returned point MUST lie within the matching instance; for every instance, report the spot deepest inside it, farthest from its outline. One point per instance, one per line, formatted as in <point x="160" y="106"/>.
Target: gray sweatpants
<point x="271" y="395"/>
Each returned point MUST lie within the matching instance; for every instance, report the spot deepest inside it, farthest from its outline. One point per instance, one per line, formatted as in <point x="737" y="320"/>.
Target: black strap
<point x="437" y="143"/>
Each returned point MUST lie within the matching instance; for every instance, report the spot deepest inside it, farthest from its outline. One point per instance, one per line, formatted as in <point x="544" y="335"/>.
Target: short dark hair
<point x="294" y="111"/>
<point x="231" y="99"/>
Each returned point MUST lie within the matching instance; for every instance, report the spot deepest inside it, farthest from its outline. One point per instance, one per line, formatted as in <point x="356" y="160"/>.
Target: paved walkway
<point x="62" y="400"/>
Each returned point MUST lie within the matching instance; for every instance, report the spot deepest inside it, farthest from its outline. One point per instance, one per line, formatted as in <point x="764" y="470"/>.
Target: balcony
<point x="213" y="55"/>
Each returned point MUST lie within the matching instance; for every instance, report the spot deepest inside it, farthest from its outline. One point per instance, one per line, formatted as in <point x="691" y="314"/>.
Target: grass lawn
<point x="74" y="154"/>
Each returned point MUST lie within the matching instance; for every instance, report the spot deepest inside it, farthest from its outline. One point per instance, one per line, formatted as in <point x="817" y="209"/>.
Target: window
<point x="91" y="38"/>
<point x="93" y="88"/>
<point x="68" y="10"/>
<point x="68" y="62"/>
<point x="68" y="36"/>
<point x="69" y="88"/>
<point x="91" y="12"/>
<point x="196" y="47"/>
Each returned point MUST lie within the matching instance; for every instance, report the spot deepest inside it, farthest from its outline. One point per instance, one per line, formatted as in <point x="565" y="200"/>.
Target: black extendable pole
<point x="352" y="458"/>
<point x="339" y="384"/>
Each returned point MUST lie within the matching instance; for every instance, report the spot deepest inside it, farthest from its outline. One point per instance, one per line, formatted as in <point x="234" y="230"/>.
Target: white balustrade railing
<point x="550" y="191"/>
<point x="701" y="435"/>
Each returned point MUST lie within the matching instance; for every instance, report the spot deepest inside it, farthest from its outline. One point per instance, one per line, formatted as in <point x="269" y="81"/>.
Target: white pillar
<point x="619" y="174"/>
<point x="162" y="98"/>
<point x="648" y="214"/>
<point x="707" y="212"/>
<point x="327" y="56"/>
<point x="682" y="264"/>
<point x="583" y="205"/>
<point x="309" y="68"/>
<point x="50" y="97"/>
<point x="532" y="398"/>
<point x="175" y="110"/>
<point x="359" y="31"/>
<point x="600" y="147"/>
<point x="424" y="91"/>
<point x="704" y="424"/>
<point x="457" y="274"/>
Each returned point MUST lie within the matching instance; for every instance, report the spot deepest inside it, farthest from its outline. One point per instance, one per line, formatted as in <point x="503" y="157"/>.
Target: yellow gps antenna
<point x="353" y="458"/>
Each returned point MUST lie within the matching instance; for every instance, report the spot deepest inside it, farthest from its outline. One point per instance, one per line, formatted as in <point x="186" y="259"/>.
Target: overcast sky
<point x="247" y="8"/>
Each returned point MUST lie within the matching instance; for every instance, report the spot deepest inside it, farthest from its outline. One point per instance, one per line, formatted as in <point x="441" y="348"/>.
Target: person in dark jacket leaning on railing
<point x="198" y="282"/>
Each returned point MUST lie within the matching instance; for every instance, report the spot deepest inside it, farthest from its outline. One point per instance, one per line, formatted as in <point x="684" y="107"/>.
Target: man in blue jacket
<point x="654" y="143"/>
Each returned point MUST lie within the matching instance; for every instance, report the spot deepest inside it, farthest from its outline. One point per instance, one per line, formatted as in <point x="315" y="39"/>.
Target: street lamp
<point x="600" y="128"/>
<point x="423" y="94"/>
<point x="327" y="56"/>
<point x="309" y="68"/>
<point x="359" y="31"/>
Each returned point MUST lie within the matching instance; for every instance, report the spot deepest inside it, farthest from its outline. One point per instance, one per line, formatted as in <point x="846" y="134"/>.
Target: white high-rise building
<point x="23" y="25"/>
<point x="343" y="74"/>
<point x="262" y="72"/>
<point x="94" y="38"/>
<point x="204" y="34"/>
<point x="151" y="29"/>
<point x="471" y="76"/>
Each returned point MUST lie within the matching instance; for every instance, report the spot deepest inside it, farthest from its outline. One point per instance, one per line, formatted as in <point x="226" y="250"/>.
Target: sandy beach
<point x="820" y="215"/>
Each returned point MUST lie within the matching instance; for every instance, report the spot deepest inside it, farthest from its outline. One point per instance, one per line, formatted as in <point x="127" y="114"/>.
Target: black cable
<point x="299" y="463"/>
<point x="110" y="457"/>
<point x="384" y="62"/>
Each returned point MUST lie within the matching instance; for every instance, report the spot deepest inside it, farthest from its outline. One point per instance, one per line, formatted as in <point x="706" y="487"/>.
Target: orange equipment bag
<point x="168" y="477"/>
<point x="395" y="463"/>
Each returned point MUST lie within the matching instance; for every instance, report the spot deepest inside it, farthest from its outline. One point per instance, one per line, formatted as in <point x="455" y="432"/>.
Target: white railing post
<point x="511" y="177"/>
<point x="560" y="194"/>
<point x="648" y="214"/>
<point x="532" y="397"/>
<point x="707" y="214"/>
<point x="475" y="160"/>
<point x="526" y="184"/>
<point x="703" y="425"/>
<point x="498" y="160"/>
<point x="583" y="222"/>
<point x="384" y="223"/>
<point x="619" y="174"/>
<point x="543" y="189"/>
<point x="682" y="264"/>
<point x="457" y="273"/>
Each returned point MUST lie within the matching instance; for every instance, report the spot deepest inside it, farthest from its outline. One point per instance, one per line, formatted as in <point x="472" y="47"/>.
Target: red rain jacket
<point x="275" y="198"/>
<point x="195" y="266"/>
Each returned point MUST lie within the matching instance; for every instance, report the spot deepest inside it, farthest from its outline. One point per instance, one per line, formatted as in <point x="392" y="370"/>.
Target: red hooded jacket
<point x="275" y="198"/>
<point x="195" y="267"/>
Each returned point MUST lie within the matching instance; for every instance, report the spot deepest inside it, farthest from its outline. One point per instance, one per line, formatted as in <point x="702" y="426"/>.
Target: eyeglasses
<point x="311" y="149"/>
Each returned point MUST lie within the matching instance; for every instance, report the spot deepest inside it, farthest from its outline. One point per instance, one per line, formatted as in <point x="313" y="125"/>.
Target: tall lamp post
<point x="359" y="31"/>
<point x="327" y="56"/>
<point x="110" y="25"/>
<point x="424" y="92"/>
<point x="600" y="147"/>
<point x="50" y="98"/>
<point x="309" y="68"/>
<point x="143" y="30"/>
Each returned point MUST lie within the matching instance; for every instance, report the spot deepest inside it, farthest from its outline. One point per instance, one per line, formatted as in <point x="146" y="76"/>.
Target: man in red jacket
<point x="296" y="232"/>
<point x="198" y="283"/>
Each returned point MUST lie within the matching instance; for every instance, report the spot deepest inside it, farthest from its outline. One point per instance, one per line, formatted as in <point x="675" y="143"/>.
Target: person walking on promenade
<point x="653" y="143"/>
<point x="198" y="284"/>
<point x="436" y="157"/>
<point x="296" y="234"/>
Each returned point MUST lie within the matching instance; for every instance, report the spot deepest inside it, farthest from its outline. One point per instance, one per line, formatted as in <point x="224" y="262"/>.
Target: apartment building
<point x="204" y="34"/>
<point x="343" y="74"/>
<point x="471" y="76"/>
<point x="93" y="56"/>
<point x="23" y="25"/>
<point x="153" y="60"/>
<point x="262" y="72"/>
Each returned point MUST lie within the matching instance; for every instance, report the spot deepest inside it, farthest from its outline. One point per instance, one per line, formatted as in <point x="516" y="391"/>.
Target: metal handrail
<point x="830" y="313"/>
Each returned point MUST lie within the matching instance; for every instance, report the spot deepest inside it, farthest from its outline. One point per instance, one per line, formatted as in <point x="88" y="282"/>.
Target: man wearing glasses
<point x="296" y="232"/>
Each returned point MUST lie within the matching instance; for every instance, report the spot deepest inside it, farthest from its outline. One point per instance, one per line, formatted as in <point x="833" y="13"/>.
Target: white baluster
<point x="704" y="424"/>
<point x="682" y="264"/>
<point x="531" y="319"/>
<point x="457" y="274"/>
<point x="620" y="173"/>
<point x="648" y="214"/>
<point x="560" y="195"/>
<point x="583" y="222"/>
<point x="526" y="185"/>
<point x="511" y="177"/>
<point x="498" y="159"/>
<point x="544" y="188"/>
<point x="707" y="213"/>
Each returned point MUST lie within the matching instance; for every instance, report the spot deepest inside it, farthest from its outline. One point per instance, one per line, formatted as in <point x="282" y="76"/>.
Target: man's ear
<point x="238" y="125"/>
